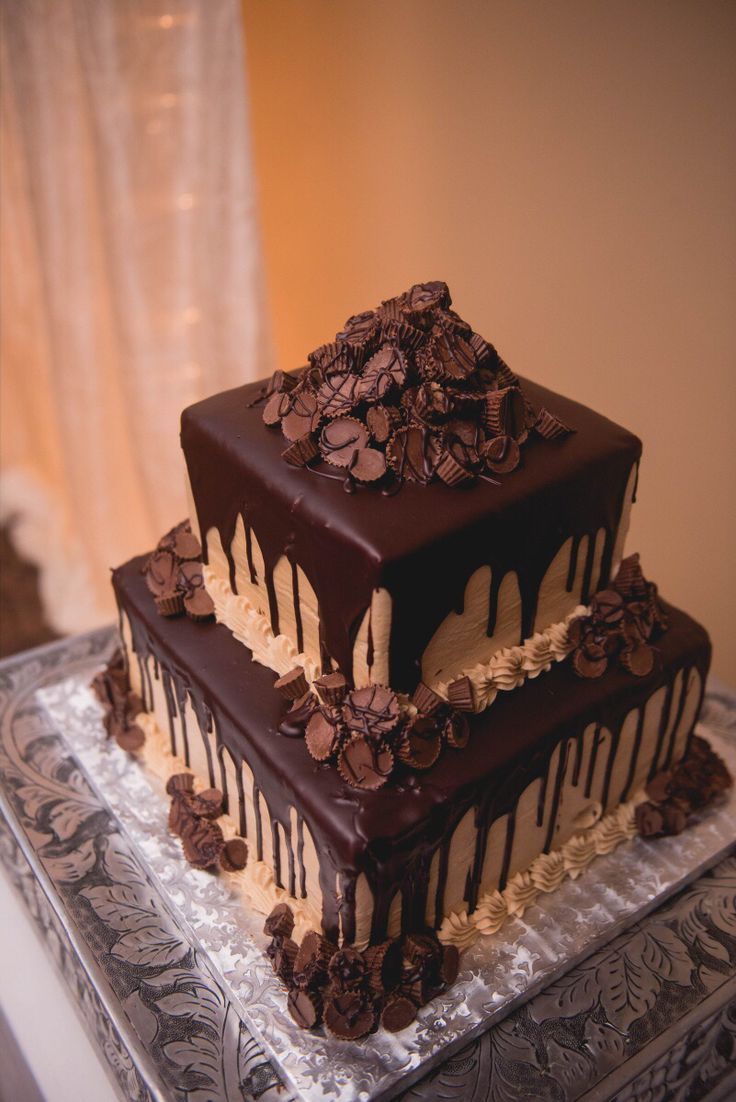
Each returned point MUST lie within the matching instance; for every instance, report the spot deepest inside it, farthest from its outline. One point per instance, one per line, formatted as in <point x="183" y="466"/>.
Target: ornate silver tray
<point x="184" y="1002"/>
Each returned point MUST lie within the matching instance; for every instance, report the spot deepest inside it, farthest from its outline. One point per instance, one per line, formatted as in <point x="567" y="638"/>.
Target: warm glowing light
<point x="185" y="201"/>
<point x="192" y="315"/>
<point x="166" y="21"/>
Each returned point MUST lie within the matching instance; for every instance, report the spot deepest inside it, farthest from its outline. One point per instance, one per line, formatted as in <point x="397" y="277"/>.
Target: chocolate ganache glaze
<point x="391" y="834"/>
<point x="423" y="544"/>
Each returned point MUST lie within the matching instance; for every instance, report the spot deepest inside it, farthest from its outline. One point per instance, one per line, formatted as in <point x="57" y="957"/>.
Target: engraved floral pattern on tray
<point x="183" y="978"/>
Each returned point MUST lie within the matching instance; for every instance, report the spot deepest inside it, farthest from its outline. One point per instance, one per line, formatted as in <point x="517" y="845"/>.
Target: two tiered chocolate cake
<point x="400" y="652"/>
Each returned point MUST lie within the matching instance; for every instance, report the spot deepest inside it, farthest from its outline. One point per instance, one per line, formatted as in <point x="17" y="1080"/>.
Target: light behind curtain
<point x="131" y="272"/>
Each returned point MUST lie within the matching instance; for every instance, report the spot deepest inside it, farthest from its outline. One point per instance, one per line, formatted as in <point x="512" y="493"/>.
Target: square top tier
<point x="424" y="583"/>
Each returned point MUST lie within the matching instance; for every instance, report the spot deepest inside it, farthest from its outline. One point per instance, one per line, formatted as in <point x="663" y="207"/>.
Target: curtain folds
<point x="131" y="272"/>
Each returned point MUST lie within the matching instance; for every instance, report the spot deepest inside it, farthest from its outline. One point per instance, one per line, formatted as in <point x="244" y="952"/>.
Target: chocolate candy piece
<point x="359" y="328"/>
<point x="549" y="426"/>
<point x="365" y="765"/>
<point x="658" y="788"/>
<point x="203" y="843"/>
<point x="277" y="406"/>
<point x="426" y="700"/>
<point x="450" y="964"/>
<point x="302" y="452"/>
<point x="332" y="687"/>
<point x="420" y="743"/>
<point x="590" y="660"/>
<point x="349" y="1016"/>
<point x="346" y="969"/>
<point x="179" y="812"/>
<point x="185" y="544"/>
<point x="501" y="455"/>
<point x="130" y="738"/>
<point x="337" y="395"/>
<point x="649" y="820"/>
<point x="372" y="711"/>
<point x="305" y="1007"/>
<point x="457" y="730"/>
<point x="162" y="573"/>
<point x="385" y="369"/>
<point x="293" y="684"/>
<point x="207" y="804"/>
<point x="321" y="736"/>
<point x="180" y="782"/>
<point x="414" y="453"/>
<point x="310" y="966"/>
<point x="294" y="723"/>
<point x="423" y="950"/>
<point x="398" y="1013"/>
<point x="234" y="856"/>
<point x="460" y="694"/>
<point x="280" y="922"/>
<point x="368" y="465"/>
<point x="303" y="416"/>
<point x="451" y="472"/>
<point x="381" y="422"/>
<point x="638" y="659"/>
<point x="384" y="964"/>
<point x="340" y="439"/>
<point x="197" y="602"/>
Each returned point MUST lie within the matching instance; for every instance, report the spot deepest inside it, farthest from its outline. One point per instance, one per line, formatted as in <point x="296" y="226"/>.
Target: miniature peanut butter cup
<point x="305" y="1007"/>
<point x="457" y="730"/>
<point x="280" y="922"/>
<point x="180" y="782"/>
<point x="381" y="422"/>
<point x="549" y="426"/>
<point x="303" y="416"/>
<point x="162" y="572"/>
<point x="414" y="453"/>
<point x="373" y="710"/>
<point x="450" y="964"/>
<point x="332" y="687"/>
<point x="203" y="843"/>
<point x="293" y="684"/>
<point x="302" y="452"/>
<point x="207" y="804"/>
<point x="349" y="1016"/>
<point x="398" y="1013"/>
<point x="451" y="472"/>
<point x="321" y="736"/>
<point x="234" y="856"/>
<point x="130" y="738"/>
<point x="385" y="369"/>
<point x="426" y="700"/>
<point x="420" y="743"/>
<point x="363" y="764"/>
<point x="277" y="406"/>
<point x="337" y="395"/>
<point x="384" y="965"/>
<point x="185" y="544"/>
<point x="340" y="439"/>
<point x="368" y="465"/>
<point x="638" y="660"/>
<point x="310" y="966"/>
<point x="460" y="694"/>
<point x="501" y="454"/>
<point x="346" y="969"/>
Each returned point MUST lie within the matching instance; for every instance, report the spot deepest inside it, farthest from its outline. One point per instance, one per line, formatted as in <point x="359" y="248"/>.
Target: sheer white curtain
<point x="131" y="271"/>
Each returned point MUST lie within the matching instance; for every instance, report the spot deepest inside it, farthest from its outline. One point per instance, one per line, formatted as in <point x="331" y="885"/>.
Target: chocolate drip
<point x="242" y="819"/>
<point x="634" y="756"/>
<point x="556" y="794"/>
<point x="593" y="759"/>
<point x="300" y="857"/>
<point x="276" y="847"/>
<point x="572" y="568"/>
<point x="297" y="607"/>
<point x="574" y="487"/>
<point x="389" y="838"/>
<point x="496" y="580"/>
<point x="585" y="592"/>
<point x="578" y="759"/>
<point x="507" y="849"/>
<point x="168" y="685"/>
<point x="249" y="554"/>
<point x="680" y="708"/>
<point x="663" y="721"/>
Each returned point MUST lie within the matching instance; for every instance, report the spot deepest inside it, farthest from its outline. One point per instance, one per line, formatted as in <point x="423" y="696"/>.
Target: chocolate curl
<point x="451" y="472"/>
<point x="460" y="694"/>
<point x="427" y="701"/>
<point x="293" y="684"/>
<point x="549" y="426"/>
<point x="302" y="452"/>
<point x="332" y="688"/>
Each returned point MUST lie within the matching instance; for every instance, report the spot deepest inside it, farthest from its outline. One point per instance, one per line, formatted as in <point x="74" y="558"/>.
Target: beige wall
<point x="568" y="168"/>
